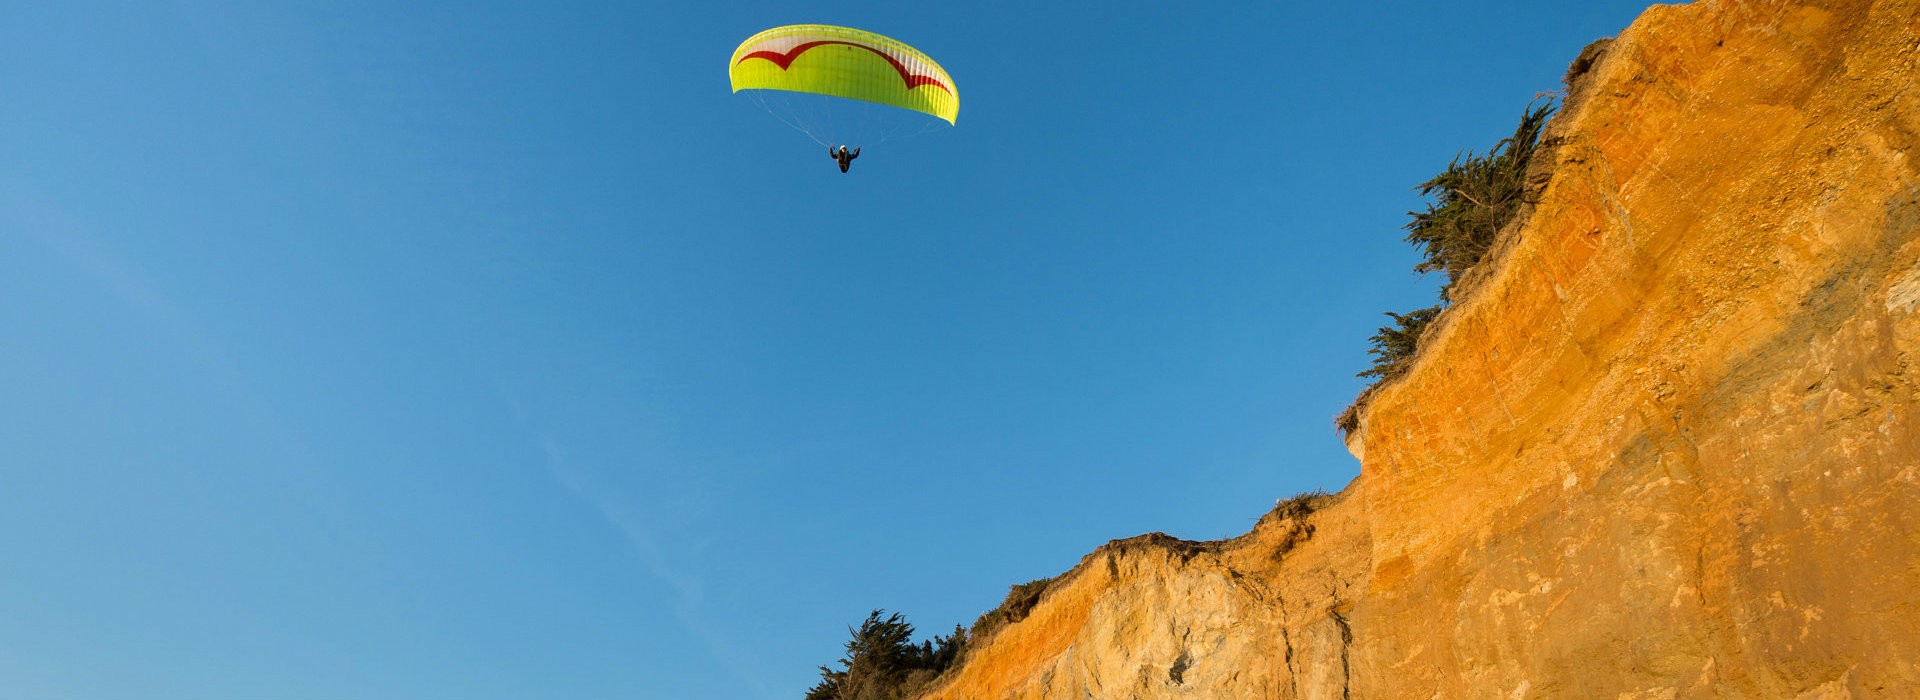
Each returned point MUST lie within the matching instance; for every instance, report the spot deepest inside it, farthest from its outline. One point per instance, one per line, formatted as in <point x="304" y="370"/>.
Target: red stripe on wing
<point x="783" y="60"/>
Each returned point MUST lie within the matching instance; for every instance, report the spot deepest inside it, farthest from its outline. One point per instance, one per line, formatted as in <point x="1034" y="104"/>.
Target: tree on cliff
<point x="882" y="663"/>
<point x="1473" y="199"/>
<point x="1394" y="346"/>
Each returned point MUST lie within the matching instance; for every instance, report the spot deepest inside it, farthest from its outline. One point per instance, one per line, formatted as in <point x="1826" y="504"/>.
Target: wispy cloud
<point x="33" y="216"/>
<point x="648" y="545"/>
<point x="625" y="520"/>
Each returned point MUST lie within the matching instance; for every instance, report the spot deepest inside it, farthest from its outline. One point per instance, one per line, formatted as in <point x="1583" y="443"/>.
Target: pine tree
<point x="1474" y="198"/>
<point x="882" y="663"/>
<point x="1394" y="346"/>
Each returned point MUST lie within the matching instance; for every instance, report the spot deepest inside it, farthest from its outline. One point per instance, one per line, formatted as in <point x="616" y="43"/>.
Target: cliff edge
<point x="1662" y="447"/>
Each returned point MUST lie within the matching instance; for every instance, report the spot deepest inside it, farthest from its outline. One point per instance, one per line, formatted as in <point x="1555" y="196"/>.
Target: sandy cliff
<point x="1663" y="447"/>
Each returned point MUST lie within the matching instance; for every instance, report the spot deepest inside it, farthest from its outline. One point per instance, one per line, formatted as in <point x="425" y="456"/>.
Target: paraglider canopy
<point x="844" y="62"/>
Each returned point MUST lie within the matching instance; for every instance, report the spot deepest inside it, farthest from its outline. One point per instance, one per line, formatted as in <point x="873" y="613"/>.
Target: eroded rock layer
<point x="1662" y="447"/>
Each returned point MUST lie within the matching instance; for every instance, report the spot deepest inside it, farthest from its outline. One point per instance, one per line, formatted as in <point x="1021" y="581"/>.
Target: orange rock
<point x="1662" y="447"/>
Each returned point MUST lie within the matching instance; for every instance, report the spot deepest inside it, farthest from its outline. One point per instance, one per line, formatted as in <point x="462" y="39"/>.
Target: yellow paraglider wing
<point x="844" y="62"/>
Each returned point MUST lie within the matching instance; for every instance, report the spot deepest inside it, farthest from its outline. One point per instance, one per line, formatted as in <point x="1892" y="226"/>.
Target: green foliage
<point x="1394" y="346"/>
<point x="1348" y="420"/>
<point x="882" y="662"/>
<point x="942" y="653"/>
<point x="1020" y="600"/>
<point x="1299" y="506"/>
<point x="1473" y="199"/>
<point x="829" y="686"/>
<point x="1296" y="509"/>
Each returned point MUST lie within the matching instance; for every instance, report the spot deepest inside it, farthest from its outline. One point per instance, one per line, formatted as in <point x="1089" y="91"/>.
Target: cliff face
<point x="1662" y="447"/>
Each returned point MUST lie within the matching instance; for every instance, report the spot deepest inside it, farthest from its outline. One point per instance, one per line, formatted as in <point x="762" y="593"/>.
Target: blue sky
<point x="488" y="350"/>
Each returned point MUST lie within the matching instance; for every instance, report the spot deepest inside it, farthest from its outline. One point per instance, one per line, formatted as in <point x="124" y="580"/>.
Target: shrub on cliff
<point x="1019" y="601"/>
<point x="882" y="663"/>
<point x="1297" y="509"/>
<point x="1394" y="346"/>
<point x="1473" y="199"/>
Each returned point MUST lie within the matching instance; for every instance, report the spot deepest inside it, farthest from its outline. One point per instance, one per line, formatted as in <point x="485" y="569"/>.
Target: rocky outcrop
<point x="1261" y="615"/>
<point x="1662" y="446"/>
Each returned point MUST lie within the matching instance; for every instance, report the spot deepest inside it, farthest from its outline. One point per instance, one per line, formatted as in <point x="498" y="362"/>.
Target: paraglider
<point x="845" y="159"/>
<point x="843" y="85"/>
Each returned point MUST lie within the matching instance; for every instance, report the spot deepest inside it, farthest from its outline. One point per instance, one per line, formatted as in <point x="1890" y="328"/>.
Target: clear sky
<point x="482" y="350"/>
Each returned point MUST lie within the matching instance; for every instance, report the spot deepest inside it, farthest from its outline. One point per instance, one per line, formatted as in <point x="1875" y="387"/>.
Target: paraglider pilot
<point x="845" y="158"/>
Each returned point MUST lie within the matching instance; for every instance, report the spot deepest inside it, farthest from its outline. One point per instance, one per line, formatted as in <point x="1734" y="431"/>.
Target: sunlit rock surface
<point x="1664" y="446"/>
